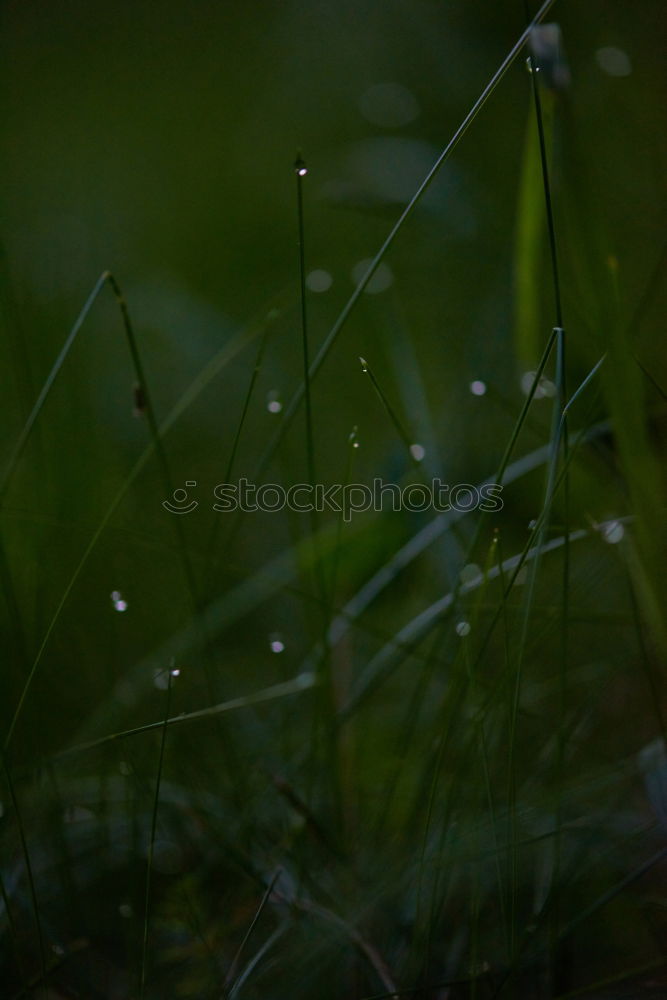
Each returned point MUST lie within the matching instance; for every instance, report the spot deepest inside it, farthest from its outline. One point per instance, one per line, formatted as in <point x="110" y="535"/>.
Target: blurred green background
<point x="157" y="140"/>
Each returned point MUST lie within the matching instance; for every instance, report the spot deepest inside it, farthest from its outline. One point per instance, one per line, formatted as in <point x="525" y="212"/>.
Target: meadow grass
<point x="411" y="754"/>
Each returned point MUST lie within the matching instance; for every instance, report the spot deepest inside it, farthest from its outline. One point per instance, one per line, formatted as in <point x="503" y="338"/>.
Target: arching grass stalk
<point x="232" y="978"/>
<point x="105" y="278"/>
<point x="302" y="682"/>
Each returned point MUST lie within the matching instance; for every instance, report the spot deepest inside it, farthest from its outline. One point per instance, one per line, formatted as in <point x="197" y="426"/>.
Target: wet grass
<point x="402" y="753"/>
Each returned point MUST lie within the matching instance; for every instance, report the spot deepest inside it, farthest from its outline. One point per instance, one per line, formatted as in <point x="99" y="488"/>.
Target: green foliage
<point x="290" y="754"/>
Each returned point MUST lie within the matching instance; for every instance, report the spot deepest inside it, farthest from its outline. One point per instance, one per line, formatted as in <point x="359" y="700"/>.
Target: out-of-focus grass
<point x="413" y="752"/>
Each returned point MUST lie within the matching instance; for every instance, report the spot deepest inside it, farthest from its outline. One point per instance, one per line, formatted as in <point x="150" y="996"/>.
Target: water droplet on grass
<point x="117" y="601"/>
<point x="544" y="388"/>
<point x="276" y="643"/>
<point x="273" y="404"/>
<point x="125" y="910"/>
<point x="478" y="388"/>
<point x="612" y="532"/>
<point x="417" y="451"/>
<point x="463" y="628"/>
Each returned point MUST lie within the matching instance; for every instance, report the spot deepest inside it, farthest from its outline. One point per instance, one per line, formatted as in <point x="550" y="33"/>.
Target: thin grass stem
<point x="151" y="841"/>
<point x="388" y="408"/>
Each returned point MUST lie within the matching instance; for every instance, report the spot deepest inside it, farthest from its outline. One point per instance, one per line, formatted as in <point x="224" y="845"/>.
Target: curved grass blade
<point x="210" y="370"/>
<point x="302" y="682"/>
<point x="231" y="979"/>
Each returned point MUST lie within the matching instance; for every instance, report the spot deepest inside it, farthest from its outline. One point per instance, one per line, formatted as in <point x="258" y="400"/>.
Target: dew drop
<point x="463" y="628"/>
<point x="117" y="601"/>
<point x="381" y="279"/>
<point x="273" y="404"/>
<point x="364" y="364"/>
<point x="125" y="910"/>
<point x="470" y="574"/>
<point x="544" y="388"/>
<point x="355" y="444"/>
<point x="613" y="61"/>
<point x="175" y="672"/>
<point x="612" y="532"/>
<point x="478" y="388"/>
<point x="417" y="451"/>
<point x="319" y="280"/>
<point x="546" y="44"/>
<point x="532" y="525"/>
<point x="276" y="643"/>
